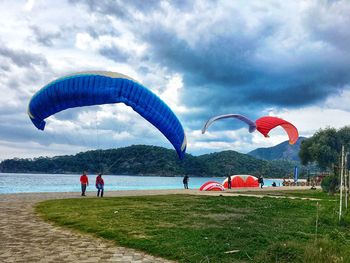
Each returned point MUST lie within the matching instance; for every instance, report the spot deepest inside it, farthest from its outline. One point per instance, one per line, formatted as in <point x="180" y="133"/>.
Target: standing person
<point x="84" y="181"/>
<point x="185" y="181"/>
<point x="99" y="185"/>
<point x="229" y="182"/>
<point x="261" y="181"/>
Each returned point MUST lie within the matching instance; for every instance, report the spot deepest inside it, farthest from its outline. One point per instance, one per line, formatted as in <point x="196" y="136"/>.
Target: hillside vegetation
<point x="150" y="160"/>
<point x="282" y="151"/>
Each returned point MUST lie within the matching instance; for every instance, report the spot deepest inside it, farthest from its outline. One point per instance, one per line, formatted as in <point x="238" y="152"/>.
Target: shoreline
<point x="54" y="183"/>
<point x="145" y="175"/>
<point x="116" y="193"/>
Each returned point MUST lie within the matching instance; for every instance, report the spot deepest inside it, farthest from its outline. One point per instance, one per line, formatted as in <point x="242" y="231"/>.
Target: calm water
<point x="33" y="183"/>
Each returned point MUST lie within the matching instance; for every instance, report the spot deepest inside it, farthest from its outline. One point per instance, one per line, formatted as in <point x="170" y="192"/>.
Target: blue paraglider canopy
<point x="97" y="88"/>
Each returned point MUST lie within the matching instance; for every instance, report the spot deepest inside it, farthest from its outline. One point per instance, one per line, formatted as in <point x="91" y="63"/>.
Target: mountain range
<point x="151" y="160"/>
<point x="282" y="151"/>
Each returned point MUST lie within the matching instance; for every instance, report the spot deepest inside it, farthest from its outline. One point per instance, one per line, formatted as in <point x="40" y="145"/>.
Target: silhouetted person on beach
<point x="185" y="181"/>
<point x="84" y="181"/>
<point x="229" y="182"/>
<point x="99" y="185"/>
<point x="274" y="184"/>
<point x="261" y="181"/>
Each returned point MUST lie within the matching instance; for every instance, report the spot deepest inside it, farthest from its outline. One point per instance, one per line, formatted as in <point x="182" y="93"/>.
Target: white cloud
<point x="335" y="112"/>
<point x="35" y="149"/>
<point x="69" y="38"/>
<point x="29" y="5"/>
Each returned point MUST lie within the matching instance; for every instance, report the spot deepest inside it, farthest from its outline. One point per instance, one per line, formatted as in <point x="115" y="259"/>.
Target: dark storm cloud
<point x="22" y="58"/>
<point x="18" y="131"/>
<point x="144" y="70"/>
<point x="121" y="9"/>
<point x="227" y="68"/>
<point x="5" y="67"/>
<point x="73" y="113"/>
<point x="205" y="63"/>
<point x="24" y="131"/>
<point x="9" y="111"/>
<point x="114" y="53"/>
<point x="95" y="32"/>
<point x="329" y="23"/>
<point x="45" y="38"/>
<point x="231" y="66"/>
<point x="16" y="126"/>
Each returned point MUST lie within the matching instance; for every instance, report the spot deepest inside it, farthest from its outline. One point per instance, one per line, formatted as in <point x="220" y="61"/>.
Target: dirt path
<point x="26" y="238"/>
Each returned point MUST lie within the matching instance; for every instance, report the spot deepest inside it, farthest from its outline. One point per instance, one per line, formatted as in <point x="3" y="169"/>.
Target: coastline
<point x="41" y="183"/>
<point x="116" y="193"/>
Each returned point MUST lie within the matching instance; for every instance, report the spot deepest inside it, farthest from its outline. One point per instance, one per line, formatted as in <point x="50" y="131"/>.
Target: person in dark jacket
<point x="185" y="181"/>
<point x="261" y="181"/>
<point x="99" y="185"/>
<point x="229" y="182"/>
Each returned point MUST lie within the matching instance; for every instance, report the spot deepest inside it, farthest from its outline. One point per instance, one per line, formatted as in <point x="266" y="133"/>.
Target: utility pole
<point x="348" y="186"/>
<point x="346" y="180"/>
<point x="341" y="181"/>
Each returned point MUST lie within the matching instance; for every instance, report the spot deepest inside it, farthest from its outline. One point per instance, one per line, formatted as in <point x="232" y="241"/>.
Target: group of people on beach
<point x="260" y="181"/>
<point x="84" y="181"/>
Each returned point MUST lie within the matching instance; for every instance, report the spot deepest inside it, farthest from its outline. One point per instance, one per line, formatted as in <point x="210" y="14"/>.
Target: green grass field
<point x="202" y="228"/>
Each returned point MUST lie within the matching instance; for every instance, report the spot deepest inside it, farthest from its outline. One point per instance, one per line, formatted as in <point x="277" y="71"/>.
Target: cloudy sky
<point x="289" y="59"/>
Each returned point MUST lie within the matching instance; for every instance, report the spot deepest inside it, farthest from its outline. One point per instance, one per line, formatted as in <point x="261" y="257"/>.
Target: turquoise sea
<point x="36" y="183"/>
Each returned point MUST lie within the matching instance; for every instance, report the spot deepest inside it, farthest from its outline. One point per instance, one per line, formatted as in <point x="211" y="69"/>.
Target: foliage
<point x="330" y="184"/>
<point x="324" y="147"/>
<point x="151" y="160"/>
<point x="202" y="228"/>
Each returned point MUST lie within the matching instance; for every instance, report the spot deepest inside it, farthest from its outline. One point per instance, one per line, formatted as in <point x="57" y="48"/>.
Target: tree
<point x="321" y="148"/>
<point x="324" y="148"/>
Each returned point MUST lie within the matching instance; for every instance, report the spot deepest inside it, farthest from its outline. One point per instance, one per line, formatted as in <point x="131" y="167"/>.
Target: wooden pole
<point x="348" y="174"/>
<point x="316" y="220"/>
<point x="345" y="180"/>
<point x="341" y="182"/>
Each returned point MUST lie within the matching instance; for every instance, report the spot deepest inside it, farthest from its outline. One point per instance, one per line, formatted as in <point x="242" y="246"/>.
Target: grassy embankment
<point x="214" y="229"/>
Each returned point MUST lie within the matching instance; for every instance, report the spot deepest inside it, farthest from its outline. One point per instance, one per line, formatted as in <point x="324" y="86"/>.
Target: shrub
<point x="330" y="184"/>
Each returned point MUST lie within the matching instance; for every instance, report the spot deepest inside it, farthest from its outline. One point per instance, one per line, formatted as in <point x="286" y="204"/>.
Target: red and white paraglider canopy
<point x="242" y="181"/>
<point x="212" y="186"/>
<point x="265" y="124"/>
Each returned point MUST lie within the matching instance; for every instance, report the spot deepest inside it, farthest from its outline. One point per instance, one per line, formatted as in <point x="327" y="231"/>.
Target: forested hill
<point x="282" y="151"/>
<point x="150" y="160"/>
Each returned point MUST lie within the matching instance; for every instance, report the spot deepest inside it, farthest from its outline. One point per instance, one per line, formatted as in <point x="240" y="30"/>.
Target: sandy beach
<point x="27" y="238"/>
